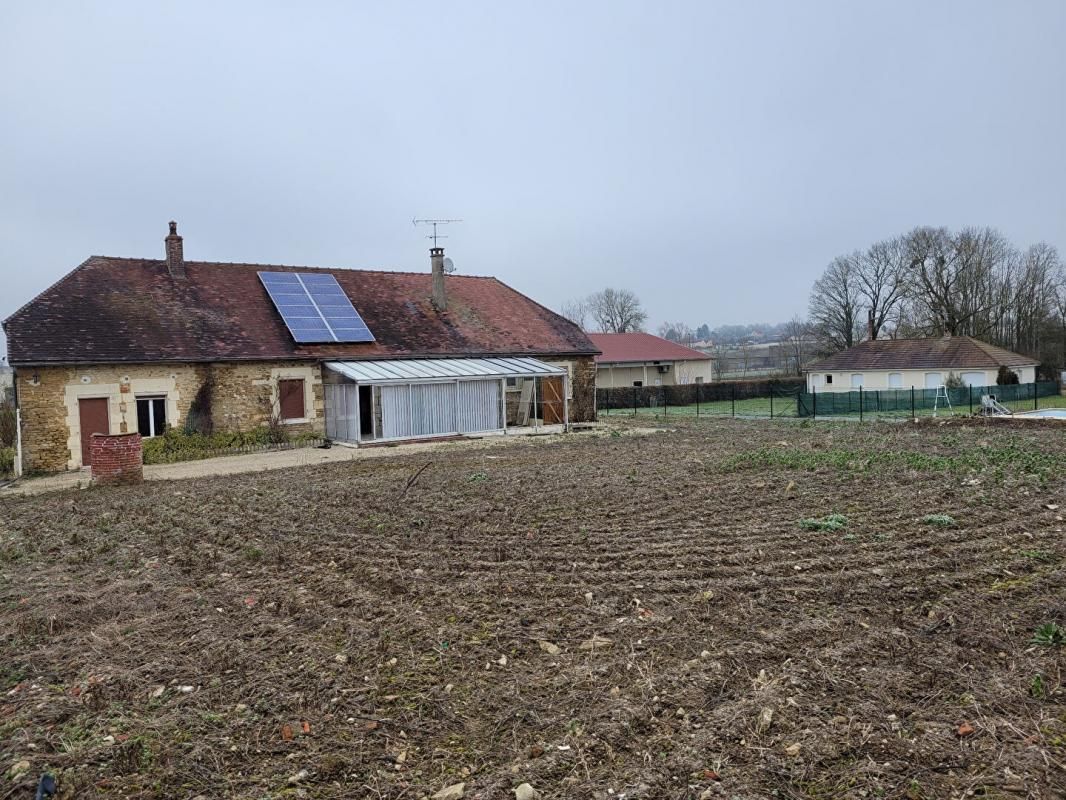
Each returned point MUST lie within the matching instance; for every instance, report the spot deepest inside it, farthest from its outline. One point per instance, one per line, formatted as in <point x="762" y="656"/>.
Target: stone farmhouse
<point x="359" y="356"/>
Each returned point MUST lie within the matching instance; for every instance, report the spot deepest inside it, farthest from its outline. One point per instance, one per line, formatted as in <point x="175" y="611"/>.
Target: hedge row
<point x="690" y="393"/>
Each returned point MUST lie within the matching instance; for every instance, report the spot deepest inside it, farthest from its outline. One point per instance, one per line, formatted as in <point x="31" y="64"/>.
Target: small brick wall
<point x="117" y="458"/>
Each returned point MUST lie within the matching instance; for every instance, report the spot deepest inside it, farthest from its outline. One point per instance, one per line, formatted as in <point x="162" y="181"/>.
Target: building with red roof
<point x="641" y="359"/>
<point x="125" y="344"/>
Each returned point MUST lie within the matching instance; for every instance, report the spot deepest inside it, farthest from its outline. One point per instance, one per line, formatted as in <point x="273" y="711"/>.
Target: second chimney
<point x="175" y="254"/>
<point x="440" y="297"/>
<point x="870" y="325"/>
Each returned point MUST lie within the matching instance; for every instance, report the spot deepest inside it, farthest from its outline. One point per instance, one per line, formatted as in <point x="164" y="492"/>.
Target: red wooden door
<point x="92" y="413"/>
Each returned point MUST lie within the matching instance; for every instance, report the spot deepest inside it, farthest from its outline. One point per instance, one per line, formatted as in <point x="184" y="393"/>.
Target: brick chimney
<point x="175" y="254"/>
<point x="440" y="297"/>
<point x="870" y="325"/>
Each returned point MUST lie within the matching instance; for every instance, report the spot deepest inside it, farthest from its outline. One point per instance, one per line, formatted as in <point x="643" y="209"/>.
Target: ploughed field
<point x="735" y="609"/>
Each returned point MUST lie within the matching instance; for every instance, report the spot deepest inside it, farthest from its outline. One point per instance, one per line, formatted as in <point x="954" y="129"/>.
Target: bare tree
<point x="676" y="332"/>
<point x="1035" y="299"/>
<point x="796" y="334"/>
<point x="932" y="281"/>
<point x="1059" y="300"/>
<point x="961" y="283"/>
<point x="718" y="360"/>
<point x="577" y="311"/>
<point x="834" y="303"/>
<point x="881" y="281"/>
<point x="617" y="311"/>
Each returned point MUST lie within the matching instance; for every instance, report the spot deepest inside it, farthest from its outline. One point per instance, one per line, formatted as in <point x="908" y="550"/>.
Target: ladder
<point x="525" y="399"/>
<point x="942" y="394"/>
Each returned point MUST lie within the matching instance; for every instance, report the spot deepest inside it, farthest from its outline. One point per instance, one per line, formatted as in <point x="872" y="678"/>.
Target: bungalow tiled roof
<point x="126" y="310"/>
<point x="945" y="352"/>
<point x="619" y="348"/>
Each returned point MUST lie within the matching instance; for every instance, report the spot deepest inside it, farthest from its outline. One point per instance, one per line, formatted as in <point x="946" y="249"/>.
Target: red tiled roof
<point x="945" y="352"/>
<point x="624" y="347"/>
<point x="131" y="310"/>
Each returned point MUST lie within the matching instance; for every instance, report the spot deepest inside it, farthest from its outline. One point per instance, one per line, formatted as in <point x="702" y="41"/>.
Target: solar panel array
<point x="315" y="307"/>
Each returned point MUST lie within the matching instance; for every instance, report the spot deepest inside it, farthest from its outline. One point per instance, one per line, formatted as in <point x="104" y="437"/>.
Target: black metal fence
<point x="789" y="398"/>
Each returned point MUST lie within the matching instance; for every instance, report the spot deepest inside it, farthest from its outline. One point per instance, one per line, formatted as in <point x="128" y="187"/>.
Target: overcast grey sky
<point x="711" y="156"/>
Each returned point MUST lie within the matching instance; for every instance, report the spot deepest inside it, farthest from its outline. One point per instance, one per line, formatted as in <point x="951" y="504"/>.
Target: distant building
<point x="640" y="359"/>
<point x="918" y="363"/>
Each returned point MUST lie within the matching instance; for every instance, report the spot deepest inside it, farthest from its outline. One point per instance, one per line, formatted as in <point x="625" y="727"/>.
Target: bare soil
<point x="596" y="615"/>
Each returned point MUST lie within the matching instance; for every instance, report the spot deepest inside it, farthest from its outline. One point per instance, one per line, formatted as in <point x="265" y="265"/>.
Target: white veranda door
<point x="437" y="409"/>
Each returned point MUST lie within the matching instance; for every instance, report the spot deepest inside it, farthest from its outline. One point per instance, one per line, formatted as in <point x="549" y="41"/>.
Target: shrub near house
<point x="8" y="436"/>
<point x="180" y="445"/>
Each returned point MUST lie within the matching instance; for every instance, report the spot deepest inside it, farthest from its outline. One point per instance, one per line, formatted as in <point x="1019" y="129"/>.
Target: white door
<point x="433" y="409"/>
<point x="933" y="380"/>
<point x="974" y="378"/>
<point x="395" y="411"/>
<point x="479" y="406"/>
<point x="342" y="411"/>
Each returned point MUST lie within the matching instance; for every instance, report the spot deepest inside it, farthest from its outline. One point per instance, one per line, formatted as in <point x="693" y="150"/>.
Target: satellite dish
<point x="449" y="265"/>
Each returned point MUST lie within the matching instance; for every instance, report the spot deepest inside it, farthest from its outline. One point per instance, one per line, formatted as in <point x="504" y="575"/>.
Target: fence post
<point x="1036" y="403"/>
<point x="860" y="404"/>
<point x="771" y="401"/>
<point x="634" y="401"/>
<point x="662" y="396"/>
<point x="912" y="403"/>
<point x="969" y="388"/>
<point x="733" y="404"/>
<point x="698" y="385"/>
<point x="814" y="402"/>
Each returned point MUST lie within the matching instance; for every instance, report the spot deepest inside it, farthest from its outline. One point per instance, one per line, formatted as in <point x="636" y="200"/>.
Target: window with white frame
<point x="856" y="380"/>
<point x="895" y="380"/>
<point x="151" y="416"/>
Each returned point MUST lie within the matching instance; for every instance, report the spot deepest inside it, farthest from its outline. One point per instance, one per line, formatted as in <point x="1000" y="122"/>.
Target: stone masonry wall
<point x="583" y="402"/>
<point x="243" y="398"/>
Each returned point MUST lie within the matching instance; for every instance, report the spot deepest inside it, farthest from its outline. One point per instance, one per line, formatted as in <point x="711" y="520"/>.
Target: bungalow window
<point x="151" y="416"/>
<point x="828" y="380"/>
<point x="291" y="399"/>
<point x="856" y="380"/>
<point x="895" y="380"/>
<point x="638" y="383"/>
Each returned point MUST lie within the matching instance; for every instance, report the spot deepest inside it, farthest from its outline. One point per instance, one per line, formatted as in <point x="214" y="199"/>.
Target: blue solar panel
<point x="315" y="307"/>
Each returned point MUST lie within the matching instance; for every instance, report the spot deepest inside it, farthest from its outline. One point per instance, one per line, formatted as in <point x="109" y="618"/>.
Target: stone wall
<point x="242" y="398"/>
<point x="583" y="402"/>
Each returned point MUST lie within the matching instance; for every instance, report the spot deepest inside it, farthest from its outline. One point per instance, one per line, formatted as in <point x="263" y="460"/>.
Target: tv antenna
<point x="434" y="222"/>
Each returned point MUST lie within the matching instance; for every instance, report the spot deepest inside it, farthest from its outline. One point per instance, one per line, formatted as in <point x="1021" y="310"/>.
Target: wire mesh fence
<point x="790" y="398"/>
